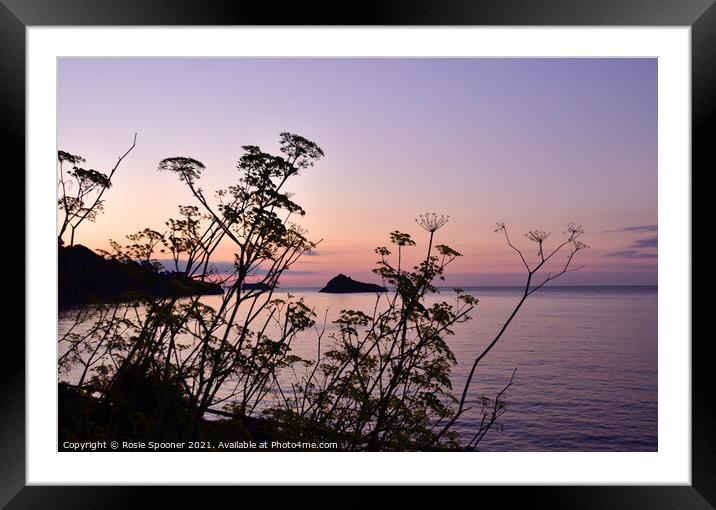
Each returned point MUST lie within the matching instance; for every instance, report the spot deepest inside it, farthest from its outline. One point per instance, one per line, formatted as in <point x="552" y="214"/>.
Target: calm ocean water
<point x="586" y="360"/>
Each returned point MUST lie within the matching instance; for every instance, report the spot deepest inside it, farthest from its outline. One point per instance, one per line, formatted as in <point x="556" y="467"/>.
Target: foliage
<point x="81" y="191"/>
<point x="380" y="381"/>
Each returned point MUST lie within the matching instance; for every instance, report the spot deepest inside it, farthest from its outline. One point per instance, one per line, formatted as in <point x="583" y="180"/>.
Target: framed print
<point x="420" y="249"/>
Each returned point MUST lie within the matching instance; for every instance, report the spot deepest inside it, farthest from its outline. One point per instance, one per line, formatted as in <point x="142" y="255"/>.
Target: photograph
<point x="357" y="254"/>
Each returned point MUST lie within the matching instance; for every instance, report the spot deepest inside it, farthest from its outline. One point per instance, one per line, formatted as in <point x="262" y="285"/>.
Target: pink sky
<point x="534" y="142"/>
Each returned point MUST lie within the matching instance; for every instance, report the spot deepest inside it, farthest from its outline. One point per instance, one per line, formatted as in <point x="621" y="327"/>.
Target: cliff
<point x="86" y="277"/>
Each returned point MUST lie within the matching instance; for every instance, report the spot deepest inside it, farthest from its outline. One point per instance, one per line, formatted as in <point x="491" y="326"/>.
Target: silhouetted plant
<point x="199" y="349"/>
<point x="81" y="191"/>
<point x="382" y="381"/>
<point x="574" y="245"/>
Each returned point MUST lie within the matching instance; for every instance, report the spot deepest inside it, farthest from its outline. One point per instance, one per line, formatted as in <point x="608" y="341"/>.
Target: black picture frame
<point x="17" y="15"/>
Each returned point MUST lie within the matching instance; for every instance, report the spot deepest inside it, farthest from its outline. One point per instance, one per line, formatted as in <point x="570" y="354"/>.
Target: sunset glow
<point x="536" y="143"/>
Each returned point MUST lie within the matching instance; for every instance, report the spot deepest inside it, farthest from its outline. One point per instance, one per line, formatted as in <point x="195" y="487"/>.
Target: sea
<point x="584" y="361"/>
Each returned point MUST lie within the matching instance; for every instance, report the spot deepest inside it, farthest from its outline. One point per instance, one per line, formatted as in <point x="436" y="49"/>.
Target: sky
<point x="536" y="143"/>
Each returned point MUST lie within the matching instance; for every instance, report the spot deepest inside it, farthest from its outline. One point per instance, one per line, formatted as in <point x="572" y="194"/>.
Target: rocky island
<point x="343" y="284"/>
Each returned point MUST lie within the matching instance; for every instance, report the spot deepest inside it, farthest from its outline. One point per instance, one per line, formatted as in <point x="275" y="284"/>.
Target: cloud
<point x="294" y="272"/>
<point x="640" y="248"/>
<point x="632" y="254"/>
<point x="636" y="228"/>
<point x="647" y="242"/>
<point x="642" y="228"/>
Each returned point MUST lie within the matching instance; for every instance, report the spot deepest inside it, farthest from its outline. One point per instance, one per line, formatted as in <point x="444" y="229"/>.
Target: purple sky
<point x="534" y="142"/>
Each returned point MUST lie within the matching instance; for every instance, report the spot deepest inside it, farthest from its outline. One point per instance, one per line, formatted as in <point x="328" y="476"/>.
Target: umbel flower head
<point x="431" y="221"/>
<point x="538" y="236"/>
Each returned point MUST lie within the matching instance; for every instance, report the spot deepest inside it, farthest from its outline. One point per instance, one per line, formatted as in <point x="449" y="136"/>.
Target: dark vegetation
<point x="85" y="277"/>
<point x="164" y="367"/>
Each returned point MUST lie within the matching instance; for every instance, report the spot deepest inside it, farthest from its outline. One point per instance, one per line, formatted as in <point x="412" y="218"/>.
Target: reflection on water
<point x="586" y="360"/>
